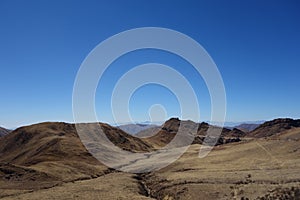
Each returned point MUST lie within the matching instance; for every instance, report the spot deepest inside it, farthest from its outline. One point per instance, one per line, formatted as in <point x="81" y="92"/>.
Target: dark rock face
<point x="215" y="140"/>
<point x="230" y="140"/>
<point x="200" y="131"/>
<point x="283" y="122"/>
<point x="171" y="125"/>
<point x="236" y="133"/>
<point x="273" y="127"/>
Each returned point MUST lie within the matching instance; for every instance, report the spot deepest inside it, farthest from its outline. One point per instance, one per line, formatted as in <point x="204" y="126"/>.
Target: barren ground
<point x="266" y="168"/>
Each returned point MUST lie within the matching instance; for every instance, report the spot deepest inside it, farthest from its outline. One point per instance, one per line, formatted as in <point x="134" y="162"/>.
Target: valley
<point x="48" y="161"/>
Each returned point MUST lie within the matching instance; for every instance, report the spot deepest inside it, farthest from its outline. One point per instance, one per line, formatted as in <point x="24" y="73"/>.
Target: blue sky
<point x="255" y="45"/>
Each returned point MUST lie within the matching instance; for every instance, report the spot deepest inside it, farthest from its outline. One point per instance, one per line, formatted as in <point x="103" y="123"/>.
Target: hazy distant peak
<point x="135" y="128"/>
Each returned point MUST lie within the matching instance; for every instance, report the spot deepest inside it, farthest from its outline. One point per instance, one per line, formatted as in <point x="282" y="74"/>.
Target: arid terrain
<point x="48" y="161"/>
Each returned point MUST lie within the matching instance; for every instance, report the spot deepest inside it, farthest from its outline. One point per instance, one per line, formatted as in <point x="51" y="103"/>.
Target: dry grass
<point x="63" y="169"/>
<point x="119" y="186"/>
<point x="247" y="169"/>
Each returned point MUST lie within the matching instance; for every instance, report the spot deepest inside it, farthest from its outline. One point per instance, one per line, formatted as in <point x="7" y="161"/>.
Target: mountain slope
<point x="244" y="170"/>
<point x="41" y="142"/>
<point x="54" y="149"/>
<point x="160" y="136"/>
<point x="274" y="127"/>
<point x="54" y="141"/>
<point x="48" y="161"/>
<point x="4" y="131"/>
<point x="247" y="127"/>
<point x="236" y="132"/>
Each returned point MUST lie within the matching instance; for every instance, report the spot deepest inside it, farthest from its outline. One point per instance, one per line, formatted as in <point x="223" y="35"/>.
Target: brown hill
<point x="161" y="136"/>
<point x="170" y="126"/>
<point x="44" y="155"/>
<point x="55" y="141"/>
<point x="50" y="153"/>
<point x="3" y="131"/>
<point x="247" y="127"/>
<point x="235" y="132"/>
<point x="290" y="134"/>
<point x="167" y="132"/>
<point x="244" y="170"/>
<point x="274" y="127"/>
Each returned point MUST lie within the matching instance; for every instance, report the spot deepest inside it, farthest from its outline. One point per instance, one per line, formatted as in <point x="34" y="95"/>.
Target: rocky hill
<point x="4" y="131"/>
<point x="274" y="127"/>
<point x="160" y="136"/>
<point x="247" y="127"/>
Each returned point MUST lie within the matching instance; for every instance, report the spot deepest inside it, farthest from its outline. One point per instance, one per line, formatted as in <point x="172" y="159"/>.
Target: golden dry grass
<point x="248" y="169"/>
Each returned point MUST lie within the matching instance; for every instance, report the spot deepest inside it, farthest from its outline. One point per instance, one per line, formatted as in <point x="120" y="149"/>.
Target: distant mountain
<point x="4" y="131"/>
<point x="160" y="136"/>
<point x="247" y="127"/>
<point x="51" y="142"/>
<point x="148" y="132"/>
<point x="230" y="124"/>
<point x="274" y="127"/>
<point x="142" y="128"/>
<point x="135" y="128"/>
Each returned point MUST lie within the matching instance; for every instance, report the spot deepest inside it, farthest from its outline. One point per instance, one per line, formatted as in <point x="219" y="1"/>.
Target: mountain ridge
<point x="274" y="127"/>
<point x="4" y="131"/>
<point x="50" y="154"/>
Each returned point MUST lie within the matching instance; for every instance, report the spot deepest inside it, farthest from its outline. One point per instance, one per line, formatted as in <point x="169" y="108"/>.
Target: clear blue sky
<point x="255" y="44"/>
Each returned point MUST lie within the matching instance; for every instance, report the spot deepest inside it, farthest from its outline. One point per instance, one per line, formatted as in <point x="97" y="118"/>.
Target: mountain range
<point x="135" y="128"/>
<point x="48" y="161"/>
